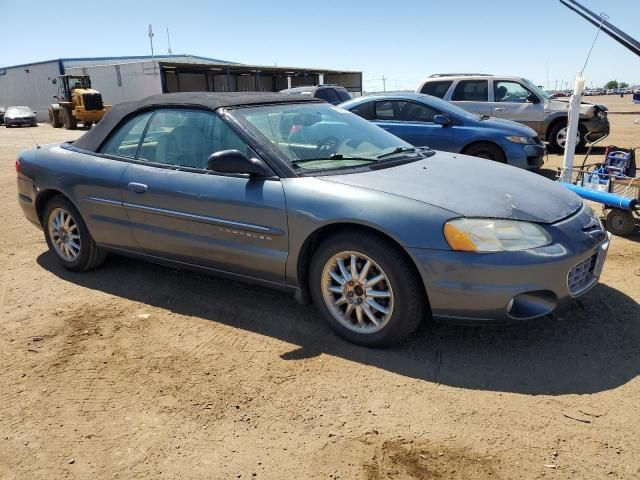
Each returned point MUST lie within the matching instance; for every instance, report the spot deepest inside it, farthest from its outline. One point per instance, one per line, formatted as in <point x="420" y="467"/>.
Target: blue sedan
<point x="423" y="120"/>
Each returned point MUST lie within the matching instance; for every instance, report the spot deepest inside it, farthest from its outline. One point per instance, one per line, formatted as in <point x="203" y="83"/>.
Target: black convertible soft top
<point x="208" y="100"/>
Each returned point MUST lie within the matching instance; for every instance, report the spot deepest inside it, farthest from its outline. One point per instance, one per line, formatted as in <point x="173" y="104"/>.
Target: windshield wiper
<point x="396" y="151"/>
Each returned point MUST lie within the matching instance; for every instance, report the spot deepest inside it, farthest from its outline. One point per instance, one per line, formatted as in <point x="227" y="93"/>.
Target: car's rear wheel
<point x="486" y="150"/>
<point x="366" y="289"/>
<point x="68" y="238"/>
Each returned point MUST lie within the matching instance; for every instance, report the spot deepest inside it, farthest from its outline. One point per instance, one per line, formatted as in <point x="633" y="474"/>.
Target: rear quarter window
<point x="436" y="89"/>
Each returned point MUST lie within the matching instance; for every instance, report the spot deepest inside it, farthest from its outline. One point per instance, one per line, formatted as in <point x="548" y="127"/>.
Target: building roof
<point x="78" y="61"/>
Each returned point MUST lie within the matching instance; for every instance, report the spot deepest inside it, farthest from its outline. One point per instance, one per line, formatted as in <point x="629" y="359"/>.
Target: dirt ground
<point x="141" y="371"/>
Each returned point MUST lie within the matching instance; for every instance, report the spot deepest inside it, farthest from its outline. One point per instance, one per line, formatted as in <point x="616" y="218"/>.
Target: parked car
<point x="516" y="98"/>
<point x="334" y="94"/>
<point x="2" y="110"/>
<point x="636" y="97"/>
<point x="424" y="121"/>
<point x="293" y="193"/>
<point x="19" y="116"/>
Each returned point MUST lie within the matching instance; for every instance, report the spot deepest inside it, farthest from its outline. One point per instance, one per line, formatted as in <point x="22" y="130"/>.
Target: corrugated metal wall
<point x="122" y="82"/>
<point x="29" y="85"/>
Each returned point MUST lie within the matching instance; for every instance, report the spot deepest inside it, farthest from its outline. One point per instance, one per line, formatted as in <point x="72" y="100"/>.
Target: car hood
<point x="471" y="187"/>
<point x="586" y="108"/>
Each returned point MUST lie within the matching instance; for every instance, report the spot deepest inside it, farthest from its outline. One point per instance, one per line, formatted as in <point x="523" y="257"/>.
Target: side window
<point x="388" y="109"/>
<point x="343" y="94"/>
<point x="510" y="92"/>
<point x="436" y="89"/>
<point x="186" y="138"/>
<point x="416" y="112"/>
<point x="365" y="110"/>
<point x="471" y="91"/>
<point x="124" y="142"/>
<point x="328" y="95"/>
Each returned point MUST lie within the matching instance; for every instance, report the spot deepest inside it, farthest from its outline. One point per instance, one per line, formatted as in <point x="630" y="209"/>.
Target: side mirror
<point x="54" y="81"/>
<point x="34" y="112"/>
<point x="234" y="161"/>
<point x="533" y="99"/>
<point x="56" y="97"/>
<point x="441" y="120"/>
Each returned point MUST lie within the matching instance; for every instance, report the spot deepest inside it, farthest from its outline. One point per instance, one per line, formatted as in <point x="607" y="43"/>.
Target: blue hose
<point x="608" y="199"/>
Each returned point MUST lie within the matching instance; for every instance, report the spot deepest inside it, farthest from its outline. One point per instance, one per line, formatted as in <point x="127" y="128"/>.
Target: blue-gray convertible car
<point x="297" y="194"/>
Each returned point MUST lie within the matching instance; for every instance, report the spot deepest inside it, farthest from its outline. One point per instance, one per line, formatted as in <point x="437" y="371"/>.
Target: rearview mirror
<point x="441" y="120"/>
<point x="533" y="99"/>
<point x="234" y="161"/>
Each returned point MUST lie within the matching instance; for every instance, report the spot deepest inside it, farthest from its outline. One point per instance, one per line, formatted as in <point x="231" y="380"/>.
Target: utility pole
<point x="547" y="68"/>
<point x="153" y="60"/>
<point x="168" y="41"/>
<point x="384" y="84"/>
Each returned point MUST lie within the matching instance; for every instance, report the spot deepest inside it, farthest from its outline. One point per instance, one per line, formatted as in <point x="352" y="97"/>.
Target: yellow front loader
<point x="77" y="102"/>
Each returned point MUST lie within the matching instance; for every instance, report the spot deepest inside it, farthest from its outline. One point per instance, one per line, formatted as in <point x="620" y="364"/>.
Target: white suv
<point x="516" y="98"/>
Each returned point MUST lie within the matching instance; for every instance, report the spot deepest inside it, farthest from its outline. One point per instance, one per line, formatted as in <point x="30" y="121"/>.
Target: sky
<point x="402" y="40"/>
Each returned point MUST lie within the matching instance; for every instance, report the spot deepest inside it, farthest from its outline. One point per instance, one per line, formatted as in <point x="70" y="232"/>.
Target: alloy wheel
<point x="64" y="234"/>
<point x="561" y="137"/>
<point x="357" y="292"/>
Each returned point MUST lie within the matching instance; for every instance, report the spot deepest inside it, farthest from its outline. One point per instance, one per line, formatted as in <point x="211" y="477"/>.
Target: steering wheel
<point x="328" y="145"/>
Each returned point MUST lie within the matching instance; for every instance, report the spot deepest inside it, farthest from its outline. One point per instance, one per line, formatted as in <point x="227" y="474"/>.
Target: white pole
<point x="572" y="129"/>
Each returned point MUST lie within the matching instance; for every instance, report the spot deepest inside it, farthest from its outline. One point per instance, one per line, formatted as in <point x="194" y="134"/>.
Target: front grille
<point x="581" y="275"/>
<point x="92" y="101"/>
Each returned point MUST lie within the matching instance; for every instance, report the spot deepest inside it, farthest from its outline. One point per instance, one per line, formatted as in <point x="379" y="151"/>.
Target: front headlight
<point x="490" y="235"/>
<point x="522" y="140"/>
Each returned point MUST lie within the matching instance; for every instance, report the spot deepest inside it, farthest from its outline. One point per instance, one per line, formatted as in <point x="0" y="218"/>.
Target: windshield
<point x="312" y="137"/>
<point x="536" y="89"/>
<point x="79" y="82"/>
<point x="19" y="111"/>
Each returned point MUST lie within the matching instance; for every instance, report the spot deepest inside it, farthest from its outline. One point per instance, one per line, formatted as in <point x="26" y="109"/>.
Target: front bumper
<point x="467" y="287"/>
<point x="19" y="121"/>
<point x="529" y="157"/>
<point x="596" y="129"/>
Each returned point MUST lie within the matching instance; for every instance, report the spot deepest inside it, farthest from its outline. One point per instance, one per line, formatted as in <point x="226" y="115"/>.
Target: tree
<point x="623" y="85"/>
<point x="611" y="84"/>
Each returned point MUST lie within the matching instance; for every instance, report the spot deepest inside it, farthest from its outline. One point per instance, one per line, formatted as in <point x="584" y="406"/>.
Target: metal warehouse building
<point x="121" y="79"/>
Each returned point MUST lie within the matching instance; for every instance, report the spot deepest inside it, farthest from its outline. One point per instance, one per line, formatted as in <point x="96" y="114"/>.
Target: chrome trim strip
<point x="103" y="201"/>
<point x="220" y="222"/>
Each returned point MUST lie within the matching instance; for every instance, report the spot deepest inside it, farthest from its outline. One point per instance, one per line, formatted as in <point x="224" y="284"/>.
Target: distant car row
<point x="18" y="116"/>
<point x="597" y="91"/>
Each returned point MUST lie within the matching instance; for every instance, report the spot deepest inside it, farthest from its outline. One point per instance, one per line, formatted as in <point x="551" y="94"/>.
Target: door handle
<point x="137" y="187"/>
<point x="499" y="109"/>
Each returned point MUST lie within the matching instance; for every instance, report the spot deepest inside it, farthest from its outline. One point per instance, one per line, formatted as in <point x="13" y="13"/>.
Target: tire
<point x="54" y="118"/>
<point x="620" y="222"/>
<point x="87" y="125"/>
<point x="67" y="119"/>
<point x="405" y="304"/>
<point x="555" y="132"/>
<point x="487" y="150"/>
<point x="88" y="254"/>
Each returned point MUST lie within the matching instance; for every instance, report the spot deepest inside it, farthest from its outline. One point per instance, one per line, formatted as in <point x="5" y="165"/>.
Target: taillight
<point x="18" y="166"/>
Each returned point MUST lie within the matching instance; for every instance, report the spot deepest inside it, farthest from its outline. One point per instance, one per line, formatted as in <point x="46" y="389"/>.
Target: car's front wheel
<point x="68" y="238"/>
<point x="558" y="138"/>
<point x="367" y="289"/>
